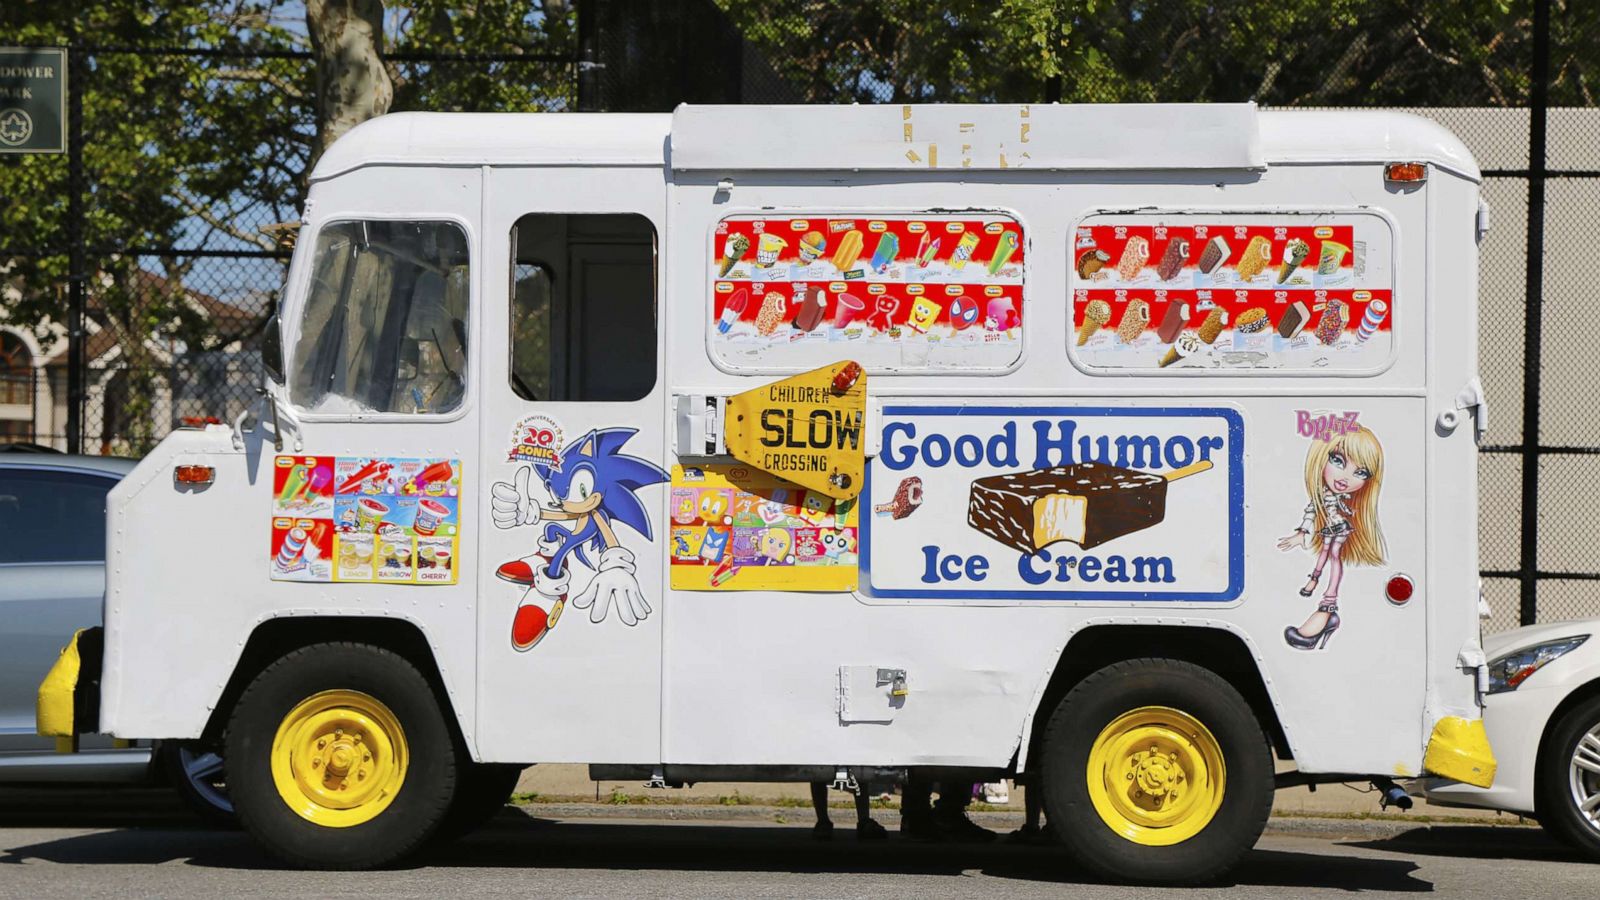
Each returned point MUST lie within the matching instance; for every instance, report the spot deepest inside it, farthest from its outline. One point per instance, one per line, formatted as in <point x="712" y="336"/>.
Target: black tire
<point x="1558" y="808"/>
<point x="417" y="807"/>
<point x="482" y="790"/>
<point x="1123" y="687"/>
<point x="195" y="772"/>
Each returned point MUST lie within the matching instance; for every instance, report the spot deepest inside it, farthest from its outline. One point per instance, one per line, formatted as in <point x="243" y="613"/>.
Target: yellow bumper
<point x="1459" y="750"/>
<point x="55" y="711"/>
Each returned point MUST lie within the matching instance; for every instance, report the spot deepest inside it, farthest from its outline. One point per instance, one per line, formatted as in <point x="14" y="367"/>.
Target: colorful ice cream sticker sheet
<point x="366" y="519"/>
<point x="735" y="528"/>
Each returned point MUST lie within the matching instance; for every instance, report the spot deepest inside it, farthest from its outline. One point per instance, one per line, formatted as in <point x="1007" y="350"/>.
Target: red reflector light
<point x="193" y="475"/>
<point x="1399" y="590"/>
<point x="1406" y="172"/>
<point x="846" y="377"/>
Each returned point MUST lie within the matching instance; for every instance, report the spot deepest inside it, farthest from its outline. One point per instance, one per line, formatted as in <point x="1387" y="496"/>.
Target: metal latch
<point x="1483" y="221"/>
<point x="896" y="678"/>
<point x="1470" y="397"/>
<point x="697" y="421"/>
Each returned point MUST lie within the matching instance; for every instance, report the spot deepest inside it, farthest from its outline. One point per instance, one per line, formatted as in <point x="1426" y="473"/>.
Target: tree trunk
<point x="352" y="84"/>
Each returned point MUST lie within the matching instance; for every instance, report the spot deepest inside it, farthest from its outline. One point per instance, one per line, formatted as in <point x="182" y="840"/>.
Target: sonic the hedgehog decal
<point x="590" y="488"/>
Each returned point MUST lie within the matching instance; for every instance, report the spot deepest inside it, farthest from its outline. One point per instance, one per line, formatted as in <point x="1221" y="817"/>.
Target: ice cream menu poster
<point x="894" y="292"/>
<point x="1187" y="292"/>
<point x="393" y="520"/>
<point x="735" y="528"/>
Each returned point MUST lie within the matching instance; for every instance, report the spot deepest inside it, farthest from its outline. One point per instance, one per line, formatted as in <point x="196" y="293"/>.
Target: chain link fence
<point x="1515" y="81"/>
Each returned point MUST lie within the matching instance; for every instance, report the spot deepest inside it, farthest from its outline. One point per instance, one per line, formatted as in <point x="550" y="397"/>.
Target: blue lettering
<point x="932" y="443"/>
<point x="969" y="450"/>
<point x="930" y="556"/>
<point x="1089" y="568"/>
<point x="1180" y="452"/>
<point x="1208" y="444"/>
<point x="1027" y="572"/>
<point x="906" y="456"/>
<point x="1003" y="447"/>
<point x="1048" y="451"/>
<point x="977" y="568"/>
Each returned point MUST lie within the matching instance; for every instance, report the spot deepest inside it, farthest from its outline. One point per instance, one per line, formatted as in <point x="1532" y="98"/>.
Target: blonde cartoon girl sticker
<point x="1343" y="476"/>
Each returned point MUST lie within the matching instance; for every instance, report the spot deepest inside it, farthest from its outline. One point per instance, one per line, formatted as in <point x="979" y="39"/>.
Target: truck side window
<point x="583" y="307"/>
<point x="385" y="322"/>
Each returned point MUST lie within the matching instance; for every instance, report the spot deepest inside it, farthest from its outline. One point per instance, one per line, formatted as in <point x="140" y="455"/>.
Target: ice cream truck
<point x="1128" y="451"/>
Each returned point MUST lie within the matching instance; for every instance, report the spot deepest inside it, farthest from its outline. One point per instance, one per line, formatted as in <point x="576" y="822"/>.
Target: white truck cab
<point x="1118" y="449"/>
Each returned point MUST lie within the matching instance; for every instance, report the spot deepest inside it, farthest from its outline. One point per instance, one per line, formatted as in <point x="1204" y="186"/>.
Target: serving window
<point x="1186" y="292"/>
<point x="901" y="292"/>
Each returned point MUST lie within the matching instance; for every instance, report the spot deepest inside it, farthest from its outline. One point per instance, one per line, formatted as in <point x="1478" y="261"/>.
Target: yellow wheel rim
<point x="1156" y="776"/>
<point x="339" y="758"/>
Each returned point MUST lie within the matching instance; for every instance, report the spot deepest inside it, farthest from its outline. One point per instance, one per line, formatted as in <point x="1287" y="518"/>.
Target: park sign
<point x="33" y="100"/>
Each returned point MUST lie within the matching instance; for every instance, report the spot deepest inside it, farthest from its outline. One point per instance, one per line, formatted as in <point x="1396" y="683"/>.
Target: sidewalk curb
<point x="1305" y="826"/>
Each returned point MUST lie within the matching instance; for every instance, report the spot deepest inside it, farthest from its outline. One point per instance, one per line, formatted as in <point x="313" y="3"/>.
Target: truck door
<point x="570" y="580"/>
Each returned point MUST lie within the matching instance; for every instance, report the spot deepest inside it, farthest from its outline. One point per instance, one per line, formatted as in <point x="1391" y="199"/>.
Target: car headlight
<point x="1509" y="671"/>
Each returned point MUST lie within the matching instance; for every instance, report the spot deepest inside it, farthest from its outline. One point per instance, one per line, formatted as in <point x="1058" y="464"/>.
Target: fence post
<point x="76" y="262"/>
<point x="1533" y="337"/>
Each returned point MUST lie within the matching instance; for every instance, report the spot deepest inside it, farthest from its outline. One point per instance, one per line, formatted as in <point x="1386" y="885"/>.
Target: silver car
<point x="52" y="581"/>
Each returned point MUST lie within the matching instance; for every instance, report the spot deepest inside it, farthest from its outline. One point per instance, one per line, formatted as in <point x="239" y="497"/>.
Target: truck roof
<point x="911" y="137"/>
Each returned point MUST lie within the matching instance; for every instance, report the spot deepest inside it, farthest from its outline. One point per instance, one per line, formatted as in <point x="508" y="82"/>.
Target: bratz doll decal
<point x="1343" y="476"/>
<point x="592" y="488"/>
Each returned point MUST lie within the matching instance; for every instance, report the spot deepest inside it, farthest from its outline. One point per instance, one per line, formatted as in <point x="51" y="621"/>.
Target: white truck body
<point x="976" y="618"/>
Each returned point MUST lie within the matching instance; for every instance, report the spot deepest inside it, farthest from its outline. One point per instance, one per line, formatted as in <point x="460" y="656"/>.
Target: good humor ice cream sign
<point x="1056" y="503"/>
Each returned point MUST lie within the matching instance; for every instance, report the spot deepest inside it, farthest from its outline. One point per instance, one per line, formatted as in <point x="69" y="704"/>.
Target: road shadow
<point x="92" y="806"/>
<point x="1477" y="842"/>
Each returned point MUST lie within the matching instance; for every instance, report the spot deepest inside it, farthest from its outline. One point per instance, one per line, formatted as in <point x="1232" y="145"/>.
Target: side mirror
<point x="272" y="349"/>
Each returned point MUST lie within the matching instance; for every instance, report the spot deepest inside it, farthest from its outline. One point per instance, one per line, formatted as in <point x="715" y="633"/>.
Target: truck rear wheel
<point x="1156" y="771"/>
<point x="482" y="790"/>
<point x="339" y="757"/>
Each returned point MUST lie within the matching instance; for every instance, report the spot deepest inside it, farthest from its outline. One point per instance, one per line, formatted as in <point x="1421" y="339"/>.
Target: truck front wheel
<point x="339" y="757"/>
<point x="1156" y="771"/>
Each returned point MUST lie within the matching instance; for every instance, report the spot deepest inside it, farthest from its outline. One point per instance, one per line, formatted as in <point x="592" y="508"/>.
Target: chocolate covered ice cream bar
<point x="1173" y="321"/>
<point x="1214" y="255"/>
<point x="1294" y="321"/>
<point x="1086" y="503"/>
<point x="1173" y="259"/>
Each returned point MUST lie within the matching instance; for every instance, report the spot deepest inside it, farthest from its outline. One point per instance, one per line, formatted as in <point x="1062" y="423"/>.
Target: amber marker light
<point x="193" y="475"/>
<point x="1405" y="172"/>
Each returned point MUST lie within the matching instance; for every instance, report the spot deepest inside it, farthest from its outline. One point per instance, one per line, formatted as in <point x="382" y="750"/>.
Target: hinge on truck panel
<point x="1469" y="398"/>
<point x="697" y="425"/>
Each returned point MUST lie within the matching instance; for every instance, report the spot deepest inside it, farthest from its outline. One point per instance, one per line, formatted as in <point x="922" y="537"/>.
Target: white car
<point x="1542" y="713"/>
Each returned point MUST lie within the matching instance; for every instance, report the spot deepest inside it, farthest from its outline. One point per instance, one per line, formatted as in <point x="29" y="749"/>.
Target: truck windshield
<point x="384" y="327"/>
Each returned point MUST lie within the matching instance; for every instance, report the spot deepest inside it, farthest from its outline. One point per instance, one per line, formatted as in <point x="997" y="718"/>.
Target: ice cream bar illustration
<point x="812" y="304"/>
<point x="771" y="314"/>
<point x="1003" y="252"/>
<point x="1257" y="256"/>
<point x="963" y="313"/>
<point x="888" y="246"/>
<point x="849" y="250"/>
<point x="1214" y="255"/>
<point x="436" y="473"/>
<point x="847" y="309"/>
<point x="907" y="497"/>
<point x="1173" y="322"/>
<point x="1216" y="319"/>
<point x="1085" y="503"/>
<point x="923" y="311"/>
<point x="883" y="312"/>
<point x="1294" y="253"/>
<point x="963" y="251"/>
<point x="1332" y="323"/>
<point x="733" y="310"/>
<point x="293" y="486"/>
<point x="733" y="250"/>
<point x="1377" y="310"/>
<point x="1330" y="256"/>
<point x="811" y="246"/>
<point x="768" y="249"/>
<point x="1095" y="315"/>
<point x="1134" y="319"/>
<point x="1135" y="254"/>
<point x="1172" y="260"/>
<point x="1294" y="321"/>
<point x="1092" y="261"/>
<point x="1187" y="345"/>
<point x="1002" y="315"/>
<point x="294" y="544"/>
<point x="374" y="470"/>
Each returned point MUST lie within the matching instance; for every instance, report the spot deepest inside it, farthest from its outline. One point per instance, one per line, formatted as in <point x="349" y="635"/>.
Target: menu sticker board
<point x="896" y="292"/>
<point x="1183" y="292"/>
<point x="735" y="528"/>
<point x="391" y="520"/>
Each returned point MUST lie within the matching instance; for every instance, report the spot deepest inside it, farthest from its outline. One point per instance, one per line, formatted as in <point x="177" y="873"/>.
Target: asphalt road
<point x="72" y="851"/>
